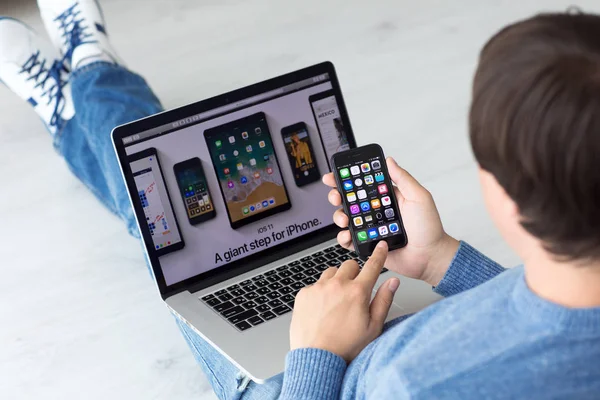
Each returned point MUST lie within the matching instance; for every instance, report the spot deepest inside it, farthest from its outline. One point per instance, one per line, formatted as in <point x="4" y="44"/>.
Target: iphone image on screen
<point x="327" y="115"/>
<point x="155" y="202"/>
<point x="247" y="168"/>
<point x="300" y="154"/>
<point x="194" y="190"/>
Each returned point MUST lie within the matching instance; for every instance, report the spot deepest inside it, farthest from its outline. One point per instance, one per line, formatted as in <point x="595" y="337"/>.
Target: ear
<point x="493" y="189"/>
<point x="505" y="214"/>
<point x="512" y="208"/>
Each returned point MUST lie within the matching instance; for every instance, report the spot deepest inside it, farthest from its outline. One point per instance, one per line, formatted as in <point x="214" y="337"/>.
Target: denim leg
<point x="107" y="95"/>
<point x="73" y="146"/>
<point x="225" y="379"/>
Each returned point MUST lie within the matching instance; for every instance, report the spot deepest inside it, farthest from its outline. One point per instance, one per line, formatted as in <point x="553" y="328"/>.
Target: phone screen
<point x="329" y="121"/>
<point x="154" y="198"/>
<point x="194" y="190"/>
<point x="246" y="165"/>
<point x="300" y="154"/>
<point x="369" y="199"/>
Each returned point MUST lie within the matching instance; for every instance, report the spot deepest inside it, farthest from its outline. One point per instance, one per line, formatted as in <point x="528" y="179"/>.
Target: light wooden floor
<point x="79" y="315"/>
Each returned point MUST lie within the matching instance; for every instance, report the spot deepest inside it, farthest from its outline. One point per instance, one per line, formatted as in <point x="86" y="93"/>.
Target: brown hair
<point x="535" y="125"/>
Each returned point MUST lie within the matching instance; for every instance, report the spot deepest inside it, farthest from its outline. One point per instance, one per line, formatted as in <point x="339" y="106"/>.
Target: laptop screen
<point x="236" y="180"/>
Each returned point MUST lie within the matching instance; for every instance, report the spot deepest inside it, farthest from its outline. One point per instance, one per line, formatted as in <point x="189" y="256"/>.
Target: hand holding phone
<point x="368" y="198"/>
<point x="429" y="250"/>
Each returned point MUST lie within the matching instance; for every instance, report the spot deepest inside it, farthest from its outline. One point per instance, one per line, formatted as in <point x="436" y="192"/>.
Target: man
<point x="531" y="332"/>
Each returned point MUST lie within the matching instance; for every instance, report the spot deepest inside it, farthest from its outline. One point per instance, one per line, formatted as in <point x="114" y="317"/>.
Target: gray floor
<point x="79" y="314"/>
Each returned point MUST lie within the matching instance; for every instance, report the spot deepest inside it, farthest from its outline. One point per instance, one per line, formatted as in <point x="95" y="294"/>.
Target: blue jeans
<point x="105" y="96"/>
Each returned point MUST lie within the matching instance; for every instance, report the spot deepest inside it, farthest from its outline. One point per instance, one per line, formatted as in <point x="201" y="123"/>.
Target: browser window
<point x="254" y="191"/>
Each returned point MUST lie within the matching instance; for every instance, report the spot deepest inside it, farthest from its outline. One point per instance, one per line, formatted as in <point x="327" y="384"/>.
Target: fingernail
<point x="393" y="285"/>
<point x="382" y="244"/>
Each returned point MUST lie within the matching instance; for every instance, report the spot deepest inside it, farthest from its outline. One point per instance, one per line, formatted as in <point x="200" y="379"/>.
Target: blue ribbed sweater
<point x="491" y="338"/>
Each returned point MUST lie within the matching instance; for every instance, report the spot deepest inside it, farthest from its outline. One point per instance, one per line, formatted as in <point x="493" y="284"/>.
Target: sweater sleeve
<point x="468" y="269"/>
<point x="312" y="374"/>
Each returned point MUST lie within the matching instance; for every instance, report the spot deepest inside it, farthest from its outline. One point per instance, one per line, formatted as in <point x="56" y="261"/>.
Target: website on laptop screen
<point x="238" y="179"/>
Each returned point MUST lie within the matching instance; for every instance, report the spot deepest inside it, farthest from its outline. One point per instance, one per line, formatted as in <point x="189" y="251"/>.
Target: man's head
<point x="535" y="131"/>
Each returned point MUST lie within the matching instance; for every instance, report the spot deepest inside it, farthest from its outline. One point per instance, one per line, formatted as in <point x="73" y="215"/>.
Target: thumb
<point x="380" y="306"/>
<point x="409" y="186"/>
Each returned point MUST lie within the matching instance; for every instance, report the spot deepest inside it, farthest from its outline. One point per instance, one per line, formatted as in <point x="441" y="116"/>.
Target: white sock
<point x="88" y="53"/>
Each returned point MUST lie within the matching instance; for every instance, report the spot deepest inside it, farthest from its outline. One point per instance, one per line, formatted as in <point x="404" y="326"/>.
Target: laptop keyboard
<point x="271" y="294"/>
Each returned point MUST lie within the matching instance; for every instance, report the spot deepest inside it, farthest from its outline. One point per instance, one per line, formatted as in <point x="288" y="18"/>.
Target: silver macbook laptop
<point x="232" y="212"/>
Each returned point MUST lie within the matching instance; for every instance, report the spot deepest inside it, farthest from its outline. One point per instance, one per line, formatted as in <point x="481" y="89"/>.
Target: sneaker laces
<point x="40" y="74"/>
<point x="73" y="30"/>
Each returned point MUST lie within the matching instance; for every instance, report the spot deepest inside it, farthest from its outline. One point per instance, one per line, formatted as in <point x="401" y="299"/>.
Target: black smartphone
<point x="194" y="190"/>
<point x="300" y="154"/>
<point x="154" y="202"/>
<point x="368" y="198"/>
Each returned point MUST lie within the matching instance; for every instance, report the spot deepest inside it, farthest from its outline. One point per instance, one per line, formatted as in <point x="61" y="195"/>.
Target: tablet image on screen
<point x="246" y="165"/>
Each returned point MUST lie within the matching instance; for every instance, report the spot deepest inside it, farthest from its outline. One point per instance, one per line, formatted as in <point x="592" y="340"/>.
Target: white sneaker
<point x="77" y="28"/>
<point x="33" y="69"/>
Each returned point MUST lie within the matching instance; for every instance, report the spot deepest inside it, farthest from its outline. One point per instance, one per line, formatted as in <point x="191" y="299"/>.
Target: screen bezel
<point x="151" y="151"/>
<point x="295" y="128"/>
<point x="209" y="134"/>
<point x="256" y="260"/>
<point x="194" y="163"/>
<point x="349" y="157"/>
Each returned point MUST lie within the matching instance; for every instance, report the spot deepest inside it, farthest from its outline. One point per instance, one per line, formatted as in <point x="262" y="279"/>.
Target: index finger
<point x="329" y="180"/>
<point x="372" y="268"/>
